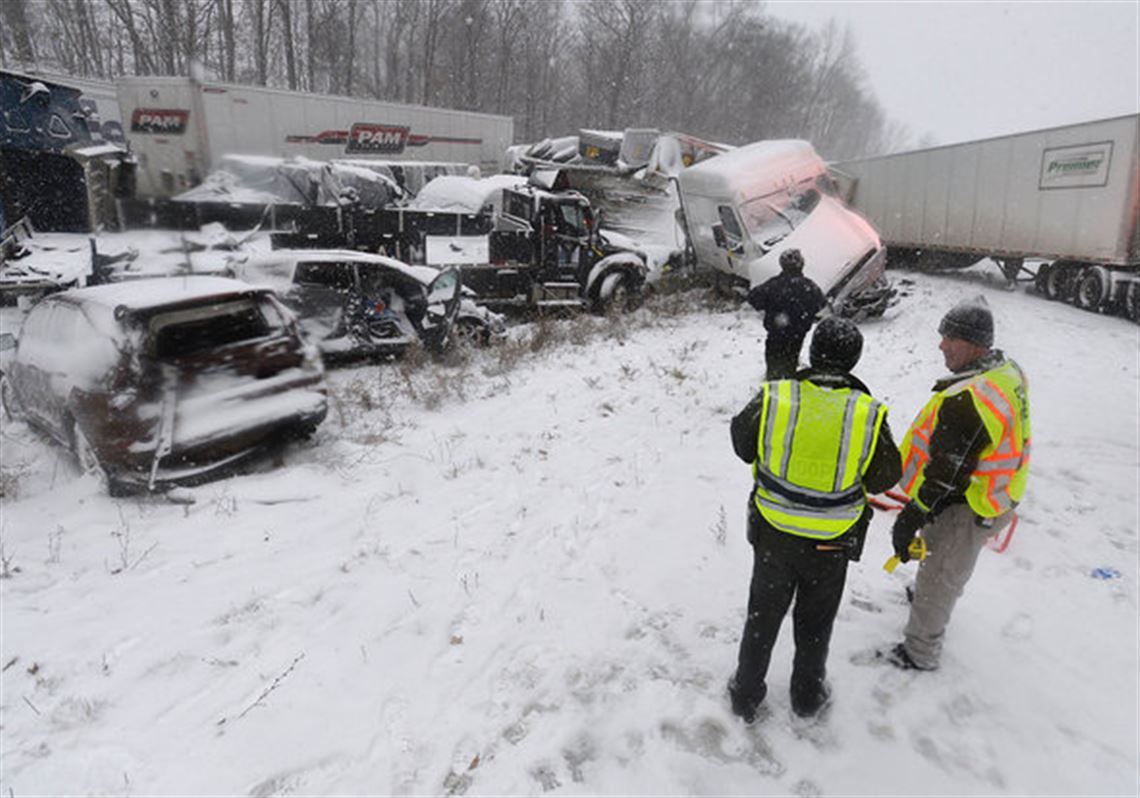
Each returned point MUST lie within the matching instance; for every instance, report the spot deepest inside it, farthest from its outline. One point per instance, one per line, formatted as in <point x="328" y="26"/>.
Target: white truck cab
<point x="743" y="208"/>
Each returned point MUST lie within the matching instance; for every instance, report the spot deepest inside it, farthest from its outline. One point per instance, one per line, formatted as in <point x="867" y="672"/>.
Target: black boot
<point x="744" y="706"/>
<point x="812" y="703"/>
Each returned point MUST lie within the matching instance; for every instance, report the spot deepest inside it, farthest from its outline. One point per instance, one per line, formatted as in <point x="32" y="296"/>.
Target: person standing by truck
<point x="790" y="303"/>
<point x="818" y="444"/>
<point x="965" y="463"/>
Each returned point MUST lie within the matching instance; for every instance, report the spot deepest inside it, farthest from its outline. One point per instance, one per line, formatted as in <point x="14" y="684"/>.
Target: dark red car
<point x="164" y="381"/>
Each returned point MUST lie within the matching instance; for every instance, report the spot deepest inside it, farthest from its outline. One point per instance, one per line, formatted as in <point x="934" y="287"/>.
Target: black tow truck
<point x="542" y="249"/>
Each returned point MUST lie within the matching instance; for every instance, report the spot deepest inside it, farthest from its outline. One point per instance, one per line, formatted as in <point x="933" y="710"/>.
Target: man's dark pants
<point x="784" y="566"/>
<point x="782" y="355"/>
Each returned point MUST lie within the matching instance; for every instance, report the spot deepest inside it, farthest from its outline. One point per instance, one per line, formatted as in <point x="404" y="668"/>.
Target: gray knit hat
<point x="969" y="320"/>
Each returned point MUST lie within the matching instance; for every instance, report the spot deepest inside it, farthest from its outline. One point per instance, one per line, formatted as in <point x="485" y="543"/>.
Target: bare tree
<point x="288" y="42"/>
<point x="435" y="12"/>
<point x="17" y="28"/>
<point x="124" y="12"/>
<point x="350" y="51"/>
<point x="508" y="18"/>
<point x="226" y="31"/>
<point x="720" y="69"/>
<point x="259" y="15"/>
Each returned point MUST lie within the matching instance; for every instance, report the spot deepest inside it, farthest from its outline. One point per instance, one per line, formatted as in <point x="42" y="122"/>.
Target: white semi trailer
<point x="181" y="127"/>
<point x="1068" y="196"/>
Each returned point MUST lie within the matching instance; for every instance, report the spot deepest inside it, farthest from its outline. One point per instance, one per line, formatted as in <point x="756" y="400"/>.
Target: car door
<point x="443" y="297"/>
<point x="390" y="307"/>
<point x="37" y="366"/>
<point x="319" y="294"/>
<point x="729" y="235"/>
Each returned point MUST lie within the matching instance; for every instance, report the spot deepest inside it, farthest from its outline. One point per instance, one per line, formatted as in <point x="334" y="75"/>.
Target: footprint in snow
<point x="1019" y="627"/>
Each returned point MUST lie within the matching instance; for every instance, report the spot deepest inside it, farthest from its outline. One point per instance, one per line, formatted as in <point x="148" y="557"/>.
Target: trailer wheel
<point x="1057" y="280"/>
<point x="1132" y="301"/>
<point x="1093" y="287"/>
<point x="1041" y="277"/>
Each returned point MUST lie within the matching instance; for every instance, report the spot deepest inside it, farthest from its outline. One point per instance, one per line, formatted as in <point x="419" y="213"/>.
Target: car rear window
<point x="190" y="331"/>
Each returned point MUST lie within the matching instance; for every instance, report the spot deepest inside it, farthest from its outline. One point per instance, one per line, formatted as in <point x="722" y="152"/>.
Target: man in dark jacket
<point x="790" y="303"/>
<point x="966" y="460"/>
<point x="818" y="445"/>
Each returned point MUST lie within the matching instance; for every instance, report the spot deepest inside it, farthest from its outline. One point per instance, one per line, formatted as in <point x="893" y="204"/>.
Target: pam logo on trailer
<point x="365" y="137"/>
<point x="159" y="120"/>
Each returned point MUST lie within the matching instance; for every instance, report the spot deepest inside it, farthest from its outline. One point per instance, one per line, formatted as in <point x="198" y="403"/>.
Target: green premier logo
<point x="1079" y="166"/>
<point x="1076" y="165"/>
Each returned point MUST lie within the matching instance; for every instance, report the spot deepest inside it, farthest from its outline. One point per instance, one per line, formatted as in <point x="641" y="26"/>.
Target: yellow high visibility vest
<point x="1001" y="398"/>
<point x="813" y="449"/>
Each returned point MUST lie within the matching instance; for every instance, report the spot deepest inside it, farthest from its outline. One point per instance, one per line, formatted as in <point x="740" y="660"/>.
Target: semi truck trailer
<point x="180" y="128"/>
<point x="1066" y="197"/>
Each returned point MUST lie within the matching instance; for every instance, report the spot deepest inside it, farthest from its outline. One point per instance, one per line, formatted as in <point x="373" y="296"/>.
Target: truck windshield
<point x="772" y="217"/>
<point x="572" y="220"/>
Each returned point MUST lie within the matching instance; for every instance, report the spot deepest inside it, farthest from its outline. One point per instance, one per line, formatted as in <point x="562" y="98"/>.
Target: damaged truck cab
<point x="547" y="250"/>
<point x="740" y="210"/>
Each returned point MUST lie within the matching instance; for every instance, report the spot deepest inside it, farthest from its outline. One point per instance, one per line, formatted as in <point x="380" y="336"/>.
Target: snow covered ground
<point x="540" y="587"/>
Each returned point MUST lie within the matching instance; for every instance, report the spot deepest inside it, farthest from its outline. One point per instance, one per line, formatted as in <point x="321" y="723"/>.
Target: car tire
<point x="469" y="332"/>
<point x="8" y="400"/>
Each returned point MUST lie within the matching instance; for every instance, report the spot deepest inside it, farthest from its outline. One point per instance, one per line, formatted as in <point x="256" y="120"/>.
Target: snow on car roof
<point x="458" y="193"/>
<point x="753" y="170"/>
<point x="155" y="292"/>
<point x="327" y="255"/>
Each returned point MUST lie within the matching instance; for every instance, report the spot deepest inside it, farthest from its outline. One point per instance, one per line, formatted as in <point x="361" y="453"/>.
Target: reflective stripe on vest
<point x="813" y="448"/>
<point x="997" y="483"/>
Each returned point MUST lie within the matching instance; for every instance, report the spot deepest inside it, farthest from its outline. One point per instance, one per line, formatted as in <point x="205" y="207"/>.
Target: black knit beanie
<point x="969" y="320"/>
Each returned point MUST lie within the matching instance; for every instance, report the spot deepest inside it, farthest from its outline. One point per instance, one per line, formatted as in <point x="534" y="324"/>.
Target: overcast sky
<point x="964" y="70"/>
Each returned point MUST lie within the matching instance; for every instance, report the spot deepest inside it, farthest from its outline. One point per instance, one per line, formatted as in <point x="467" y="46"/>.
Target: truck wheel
<point x="614" y="294"/>
<point x="1093" y="288"/>
<point x="1132" y="301"/>
<point x="1057" y="281"/>
<point x="1041" y="277"/>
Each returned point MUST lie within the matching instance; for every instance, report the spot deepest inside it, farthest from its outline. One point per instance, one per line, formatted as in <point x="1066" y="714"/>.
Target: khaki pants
<point x="953" y="541"/>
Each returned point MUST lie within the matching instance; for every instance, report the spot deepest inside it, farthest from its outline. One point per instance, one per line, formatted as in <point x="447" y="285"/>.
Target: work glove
<point x="910" y="520"/>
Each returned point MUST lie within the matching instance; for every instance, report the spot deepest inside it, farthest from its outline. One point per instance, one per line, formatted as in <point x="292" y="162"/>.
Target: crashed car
<point x="358" y="304"/>
<point x="162" y="382"/>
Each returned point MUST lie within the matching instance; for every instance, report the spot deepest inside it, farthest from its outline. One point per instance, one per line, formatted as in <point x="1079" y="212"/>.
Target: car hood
<point x="833" y="239"/>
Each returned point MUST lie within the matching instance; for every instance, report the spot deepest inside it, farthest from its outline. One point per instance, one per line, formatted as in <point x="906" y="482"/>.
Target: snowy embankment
<point x="540" y="587"/>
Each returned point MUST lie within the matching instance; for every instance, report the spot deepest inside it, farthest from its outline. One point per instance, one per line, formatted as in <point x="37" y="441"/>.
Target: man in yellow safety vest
<point x="965" y="462"/>
<point x="818" y="444"/>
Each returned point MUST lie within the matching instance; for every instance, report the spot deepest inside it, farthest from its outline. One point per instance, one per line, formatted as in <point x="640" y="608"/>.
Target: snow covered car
<point x="163" y="381"/>
<point x="355" y="303"/>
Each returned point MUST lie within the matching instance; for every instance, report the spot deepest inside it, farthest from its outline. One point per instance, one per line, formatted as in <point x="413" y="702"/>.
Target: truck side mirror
<point x="719" y="236"/>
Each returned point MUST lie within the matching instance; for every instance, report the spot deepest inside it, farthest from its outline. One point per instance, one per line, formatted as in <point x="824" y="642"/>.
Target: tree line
<point x="718" y="69"/>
